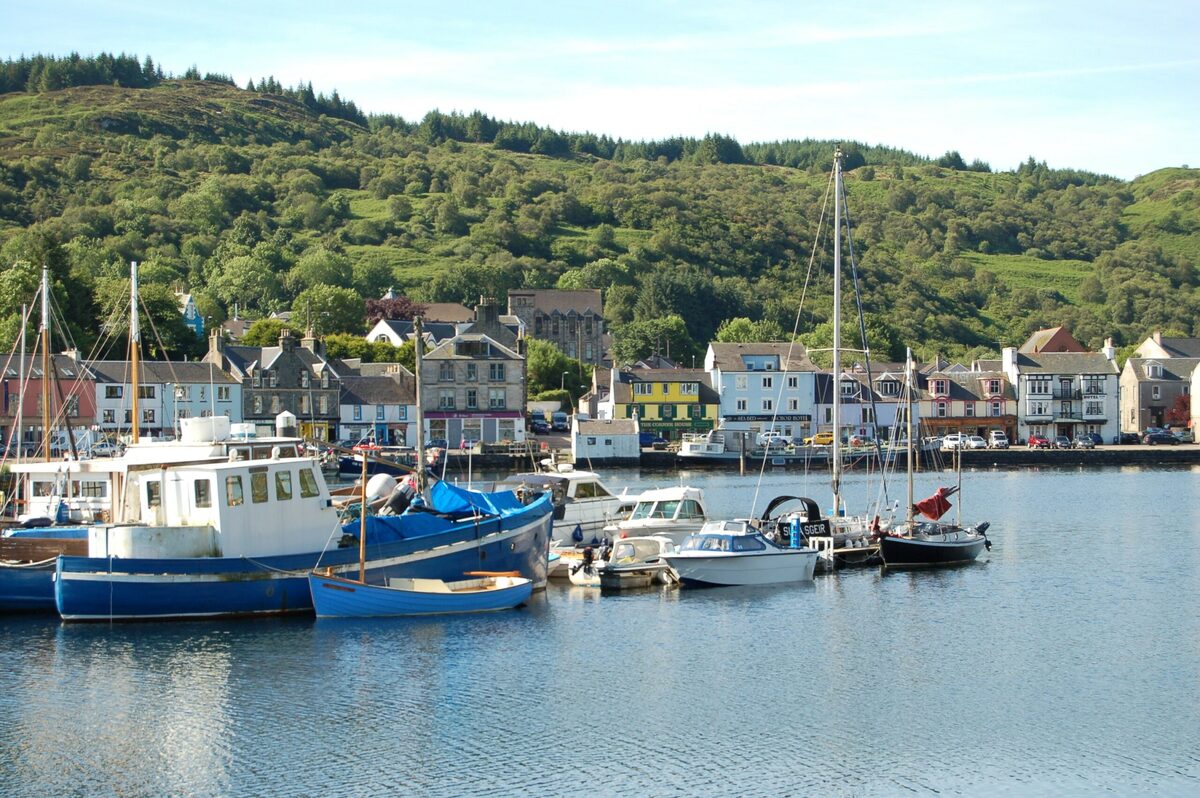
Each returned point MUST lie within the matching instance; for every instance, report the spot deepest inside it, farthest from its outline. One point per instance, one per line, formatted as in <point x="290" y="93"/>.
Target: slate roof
<point x="623" y="389"/>
<point x="451" y="312"/>
<point x="616" y="426"/>
<point x="161" y="372"/>
<point x="1064" y="363"/>
<point x="728" y="357"/>
<point x="588" y="300"/>
<point x="67" y="367"/>
<point x="378" y="390"/>
<point x="446" y="349"/>
<point x="437" y="331"/>
<point x="1181" y="347"/>
<point x="1173" y="368"/>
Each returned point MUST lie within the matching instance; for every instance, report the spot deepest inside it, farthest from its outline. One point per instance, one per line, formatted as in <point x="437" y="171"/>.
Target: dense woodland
<point x="270" y="198"/>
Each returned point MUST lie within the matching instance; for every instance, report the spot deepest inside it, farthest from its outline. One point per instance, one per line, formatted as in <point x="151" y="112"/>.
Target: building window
<point x="740" y="382"/>
<point x="276" y="406"/>
<point x="445" y="372"/>
<point x="357" y="415"/>
<point x="849" y="388"/>
<point x="1039" y="386"/>
<point x="741" y="405"/>
<point x="472" y="373"/>
<point x="258" y="404"/>
<point x="272" y="379"/>
<point x="1155" y="392"/>
<point x="379" y="412"/>
<point x="793" y="381"/>
<point x="666" y="389"/>
<point x="325" y="380"/>
<point x="1095" y="408"/>
<point x="324" y="405"/>
<point x="304" y="379"/>
<point x="304" y="404"/>
<point x="496" y="372"/>
<point x="1039" y="408"/>
<point x="110" y="417"/>
<point x="768" y="405"/>
<point x="148" y="416"/>
<point x="689" y="388"/>
<point x="146" y="392"/>
<point x="995" y="408"/>
<point x="446" y="399"/>
<point x="768" y="383"/>
<point x="969" y="409"/>
<point x="667" y="411"/>
<point x="113" y="391"/>
<point x="128" y="417"/>
<point x="943" y="409"/>
<point x="993" y="387"/>
<point x="257" y="380"/>
<point x="203" y="491"/>
<point x="402" y="412"/>
<point x="222" y="393"/>
<point x="496" y="398"/>
<point x="793" y="405"/>
<point x="472" y="399"/>
<point x="233" y="491"/>
<point x="642" y="389"/>
<point x="939" y="387"/>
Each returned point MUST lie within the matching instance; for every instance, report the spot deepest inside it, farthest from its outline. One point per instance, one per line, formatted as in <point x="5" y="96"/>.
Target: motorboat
<point x="637" y="562"/>
<point x="583" y="504"/>
<point x="674" y="512"/>
<point x="736" y="553"/>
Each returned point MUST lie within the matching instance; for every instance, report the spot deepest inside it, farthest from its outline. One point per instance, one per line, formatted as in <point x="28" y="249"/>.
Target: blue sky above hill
<point x="1111" y="87"/>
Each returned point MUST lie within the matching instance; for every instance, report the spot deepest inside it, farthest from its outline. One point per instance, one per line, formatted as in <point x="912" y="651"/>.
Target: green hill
<point x="250" y="197"/>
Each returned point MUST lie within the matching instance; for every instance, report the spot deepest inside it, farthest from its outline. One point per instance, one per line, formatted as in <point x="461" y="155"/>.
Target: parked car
<point x="1061" y="442"/>
<point x="997" y="440"/>
<point x="1128" y="439"/>
<point x="539" y="427"/>
<point x="1184" y="435"/>
<point x="773" y="440"/>
<point x="953" y="441"/>
<point x="437" y="443"/>
<point x="1083" y="442"/>
<point x="1038" y="442"/>
<point x="1158" y="438"/>
<point x="648" y="440"/>
<point x="820" y="439"/>
<point x="1095" y="436"/>
<point x="106" y="449"/>
<point x="974" y="442"/>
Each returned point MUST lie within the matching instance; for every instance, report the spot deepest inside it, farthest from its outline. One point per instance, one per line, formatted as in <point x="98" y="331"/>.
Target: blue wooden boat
<point x="336" y="597"/>
<point x="27" y="560"/>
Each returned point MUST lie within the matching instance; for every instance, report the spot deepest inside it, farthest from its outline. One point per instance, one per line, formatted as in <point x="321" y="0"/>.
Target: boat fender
<point x="577" y="534"/>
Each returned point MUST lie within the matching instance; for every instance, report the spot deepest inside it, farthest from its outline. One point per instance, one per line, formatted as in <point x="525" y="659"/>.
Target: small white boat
<point x="583" y="506"/>
<point x="637" y="562"/>
<point x="735" y="553"/>
<point x="674" y="513"/>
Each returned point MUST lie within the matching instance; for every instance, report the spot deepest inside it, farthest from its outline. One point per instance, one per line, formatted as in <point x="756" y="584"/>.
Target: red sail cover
<point x="936" y="505"/>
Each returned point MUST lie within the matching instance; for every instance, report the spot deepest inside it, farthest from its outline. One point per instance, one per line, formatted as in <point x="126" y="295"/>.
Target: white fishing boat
<point x="674" y="513"/>
<point x="728" y="553"/>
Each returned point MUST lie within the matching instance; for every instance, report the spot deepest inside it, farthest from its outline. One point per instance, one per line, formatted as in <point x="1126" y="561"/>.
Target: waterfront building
<point x="1159" y="346"/>
<point x="381" y="406"/>
<point x="167" y="392"/>
<point x="399" y="331"/>
<point x="667" y="402"/>
<point x="72" y="399"/>
<point x="1156" y="391"/>
<point x="1065" y="393"/>
<point x="473" y="389"/>
<point x="763" y="386"/>
<point x="966" y="401"/>
<point x="605" y="439"/>
<point x="295" y="376"/>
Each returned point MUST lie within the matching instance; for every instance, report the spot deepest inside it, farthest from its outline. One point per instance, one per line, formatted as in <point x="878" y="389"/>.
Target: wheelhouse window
<point x="258" y="486"/>
<point x="153" y="493"/>
<point x="202" y="490"/>
<point x="233" y="491"/>
<point x="308" y="484"/>
<point x="748" y="543"/>
<point x="283" y="485"/>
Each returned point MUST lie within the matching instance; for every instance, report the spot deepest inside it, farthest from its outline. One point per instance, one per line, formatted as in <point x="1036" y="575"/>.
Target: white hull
<point x="730" y="568"/>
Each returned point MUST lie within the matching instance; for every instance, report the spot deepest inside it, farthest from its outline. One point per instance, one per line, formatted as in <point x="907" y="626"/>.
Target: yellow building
<point x="667" y="402"/>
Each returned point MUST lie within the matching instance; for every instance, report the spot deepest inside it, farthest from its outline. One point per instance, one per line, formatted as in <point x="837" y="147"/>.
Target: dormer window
<point x="304" y="379"/>
<point x="939" y="387"/>
<point x="1154" y="371"/>
<point x="325" y="382"/>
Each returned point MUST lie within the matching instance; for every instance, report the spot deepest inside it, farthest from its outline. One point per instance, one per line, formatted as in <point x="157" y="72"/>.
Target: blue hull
<point x="25" y="588"/>
<point x="128" y="589"/>
<point x="341" y="598"/>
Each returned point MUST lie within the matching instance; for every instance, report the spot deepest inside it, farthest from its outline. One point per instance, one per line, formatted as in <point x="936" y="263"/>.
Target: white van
<point x="997" y="440"/>
<point x="955" y="440"/>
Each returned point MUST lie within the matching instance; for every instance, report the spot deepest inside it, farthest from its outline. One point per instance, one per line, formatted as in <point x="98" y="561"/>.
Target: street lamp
<point x="562" y="384"/>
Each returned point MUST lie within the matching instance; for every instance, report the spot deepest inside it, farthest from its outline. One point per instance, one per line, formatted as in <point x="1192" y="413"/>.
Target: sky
<point x="1108" y="87"/>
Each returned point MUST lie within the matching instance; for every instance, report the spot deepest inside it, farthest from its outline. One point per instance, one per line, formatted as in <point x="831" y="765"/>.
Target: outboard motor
<point x="401" y="497"/>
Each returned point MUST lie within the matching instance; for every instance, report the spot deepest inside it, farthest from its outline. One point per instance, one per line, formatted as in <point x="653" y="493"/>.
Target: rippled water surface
<point x="1067" y="663"/>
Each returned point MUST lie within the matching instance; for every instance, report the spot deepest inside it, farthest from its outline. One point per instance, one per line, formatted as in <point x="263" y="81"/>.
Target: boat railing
<point x="824" y="547"/>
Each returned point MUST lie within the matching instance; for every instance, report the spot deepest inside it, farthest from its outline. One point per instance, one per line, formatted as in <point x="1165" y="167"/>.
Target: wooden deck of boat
<point x="39" y="549"/>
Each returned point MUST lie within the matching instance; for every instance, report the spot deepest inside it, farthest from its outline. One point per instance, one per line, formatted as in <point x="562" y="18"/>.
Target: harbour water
<point x="1065" y="663"/>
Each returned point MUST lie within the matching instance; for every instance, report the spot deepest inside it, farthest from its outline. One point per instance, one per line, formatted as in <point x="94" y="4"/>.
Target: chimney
<point x="286" y="341"/>
<point x="487" y="312"/>
<point x="1008" y="363"/>
<point x="216" y="346"/>
<point x="1110" y="351"/>
<point x="311" y="342"/>
<point x="1157" y="337"/>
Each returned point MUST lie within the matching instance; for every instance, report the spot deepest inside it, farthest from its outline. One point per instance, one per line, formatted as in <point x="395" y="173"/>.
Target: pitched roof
<point x="447" y="350"/>
<point x="161" y="372"/>
<point x="615" y="426"/>
<point x="398" y="390"/>
<point x="1181" y="347"/>
<point x="1173" y="368"/>
<point x="1058" y="337"/>
<point x="447" y="312"/>
<point x="1065" y="363"/>
<point x="728" y="356"/>
<point x="66" y="366"/>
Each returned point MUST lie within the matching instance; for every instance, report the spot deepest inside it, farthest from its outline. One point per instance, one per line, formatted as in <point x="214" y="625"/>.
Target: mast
<point x="420" y="346"/>
<point x="362" y="525"/>
<point x="21" y="388"/>
<point x="135" y="343"/>
<point x="908" y="369"/>
<point x="836" y="455"/>
<point x="45" y="361"/>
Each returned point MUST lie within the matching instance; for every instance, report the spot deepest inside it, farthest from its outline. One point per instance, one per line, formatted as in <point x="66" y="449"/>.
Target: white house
<point x="382" y="407"/>
<point x="764" y="384"/>
<point x="167" y="392"/>
<point x="1065" y="393"/>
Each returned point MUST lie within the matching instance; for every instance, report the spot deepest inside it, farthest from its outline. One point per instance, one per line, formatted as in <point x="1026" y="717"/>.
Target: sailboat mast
<point x="45" y="362"/>
<point x="836" y="455"/>
<point x="20" y="429"/>
<point x="135" y="344"/>
<point x="420" y="463"/>
<point x="362" y="524"/>
<point x="908" y="369"/>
